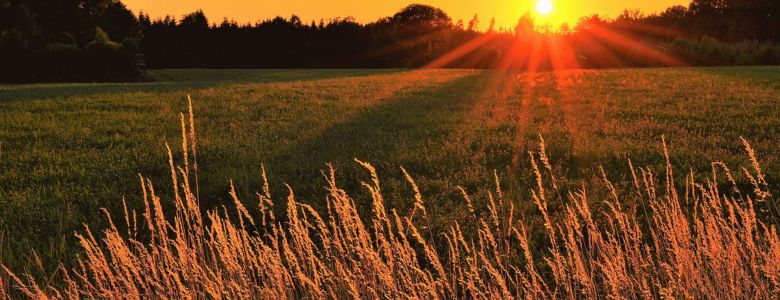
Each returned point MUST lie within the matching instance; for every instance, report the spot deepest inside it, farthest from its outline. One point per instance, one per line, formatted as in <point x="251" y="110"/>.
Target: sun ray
<point x="639" y="50"/>
<point x="397" y="47"/>
<point x="461" y="51"/>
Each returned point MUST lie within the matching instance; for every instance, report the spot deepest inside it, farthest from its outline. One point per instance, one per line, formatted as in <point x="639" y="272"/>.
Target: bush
<point x="13" y="54"/>
<point x="711" y="52"/>
<point x="59" y="60"/>
<point x="105" y="58"/>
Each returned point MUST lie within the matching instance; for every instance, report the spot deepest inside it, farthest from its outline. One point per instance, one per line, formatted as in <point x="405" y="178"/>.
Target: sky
<point x="506" y="12"/>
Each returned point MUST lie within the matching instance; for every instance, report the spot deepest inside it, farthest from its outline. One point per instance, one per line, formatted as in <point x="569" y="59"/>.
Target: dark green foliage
<point x="425" y="16"/>
<point x="59" y="58"/>
<point x="420" y="34"/>
<point x="67" y="40"/>
<point x="36" y="39"/>
<point x="711" y="52"/>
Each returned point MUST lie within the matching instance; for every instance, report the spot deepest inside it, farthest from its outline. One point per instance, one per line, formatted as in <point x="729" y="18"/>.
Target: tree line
<point x="55" y="40"/>
<point x="44" y="40"/>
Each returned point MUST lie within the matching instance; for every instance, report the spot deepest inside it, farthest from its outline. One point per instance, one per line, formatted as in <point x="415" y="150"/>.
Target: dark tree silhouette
<point x="422" y="15"/>
<point x="98" y="39"/>
<point x="43" y="40"/>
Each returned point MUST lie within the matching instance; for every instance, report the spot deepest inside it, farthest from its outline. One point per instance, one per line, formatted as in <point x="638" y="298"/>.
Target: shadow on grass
<point x="404" y="130"/>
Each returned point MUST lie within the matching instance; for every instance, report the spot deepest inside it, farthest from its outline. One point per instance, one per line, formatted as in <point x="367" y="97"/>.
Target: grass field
<point x="67" y="150"/>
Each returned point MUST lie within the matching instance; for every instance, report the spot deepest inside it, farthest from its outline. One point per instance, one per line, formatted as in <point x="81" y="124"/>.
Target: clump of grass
<point x="695" y="241"/>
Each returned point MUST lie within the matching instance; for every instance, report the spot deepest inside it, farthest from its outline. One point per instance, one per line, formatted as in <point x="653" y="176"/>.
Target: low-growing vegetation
<point x="608" y="158"/>
<point x="689" y="238"/>
<point x="708" y="51"/>
<point x="69" y="150"/>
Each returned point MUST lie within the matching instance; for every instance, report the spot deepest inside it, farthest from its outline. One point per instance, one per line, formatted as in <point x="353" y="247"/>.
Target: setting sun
<point x="544" y="7"/>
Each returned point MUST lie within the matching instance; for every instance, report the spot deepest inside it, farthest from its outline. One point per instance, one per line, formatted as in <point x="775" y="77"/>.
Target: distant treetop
<point x="420" y="14"/>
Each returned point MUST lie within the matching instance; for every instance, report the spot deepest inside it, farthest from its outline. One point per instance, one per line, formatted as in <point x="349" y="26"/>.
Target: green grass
<point x="70" y="149"/>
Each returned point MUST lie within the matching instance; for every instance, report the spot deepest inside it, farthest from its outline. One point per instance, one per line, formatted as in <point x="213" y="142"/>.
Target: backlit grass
<point x="70" y="149"/>
<point x="696" y="241"/>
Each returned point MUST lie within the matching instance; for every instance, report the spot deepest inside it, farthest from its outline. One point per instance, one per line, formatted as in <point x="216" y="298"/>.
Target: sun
<point x="544" y="7"/>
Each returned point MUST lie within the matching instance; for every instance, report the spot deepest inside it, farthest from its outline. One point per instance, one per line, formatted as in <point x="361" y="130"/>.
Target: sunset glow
<point x="505" y="12"/>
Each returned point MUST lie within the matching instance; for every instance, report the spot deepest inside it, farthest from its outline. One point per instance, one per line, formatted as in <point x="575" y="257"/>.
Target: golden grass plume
<point x="695" y="241"/>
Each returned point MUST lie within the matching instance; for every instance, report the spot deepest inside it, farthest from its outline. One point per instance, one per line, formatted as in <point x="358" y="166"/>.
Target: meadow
<point x="68" y="150"/>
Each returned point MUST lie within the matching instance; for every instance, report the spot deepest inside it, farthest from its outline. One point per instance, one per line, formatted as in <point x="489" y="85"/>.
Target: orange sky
<point x="506" y="12"/>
